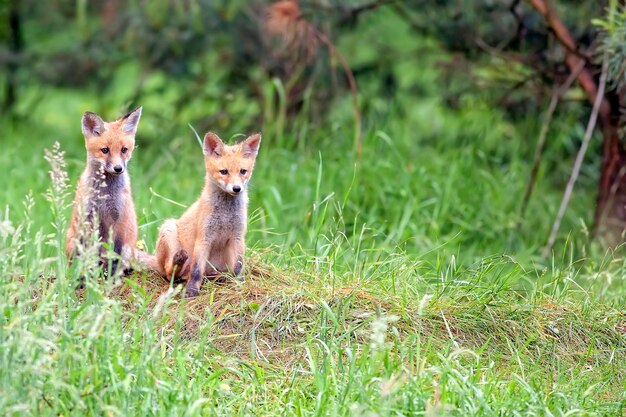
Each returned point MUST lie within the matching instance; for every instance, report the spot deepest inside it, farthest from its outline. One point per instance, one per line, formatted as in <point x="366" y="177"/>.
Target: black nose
<point x="236" y="188"/>
<point x="118" y="168"/>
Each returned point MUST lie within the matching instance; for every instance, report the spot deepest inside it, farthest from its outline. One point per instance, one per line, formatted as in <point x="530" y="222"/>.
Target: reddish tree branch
<point x="610" y="215"/>
<point x="572" y="58"/>
<point x="358" y="135"/>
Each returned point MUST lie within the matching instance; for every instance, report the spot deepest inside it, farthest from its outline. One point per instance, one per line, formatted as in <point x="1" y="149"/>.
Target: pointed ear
<point x="93" y="125"/>
<point x="213" y="145"/>
<point x="130" y="121"/>
<point x="250" y="146"/>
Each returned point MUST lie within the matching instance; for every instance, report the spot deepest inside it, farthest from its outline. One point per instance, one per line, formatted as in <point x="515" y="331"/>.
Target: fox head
<point x="230" y="167"/>
<point x="110" y="144"/>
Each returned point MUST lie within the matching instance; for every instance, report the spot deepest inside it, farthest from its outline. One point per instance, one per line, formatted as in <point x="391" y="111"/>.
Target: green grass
<point x="391" y="289"/>
<point x="305" y="336"/>
<point x="397" y="286"/>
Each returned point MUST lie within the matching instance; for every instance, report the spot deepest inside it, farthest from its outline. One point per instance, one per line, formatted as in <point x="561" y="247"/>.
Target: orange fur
<point x="209" y="238"/>
<point x="104" y="192"/>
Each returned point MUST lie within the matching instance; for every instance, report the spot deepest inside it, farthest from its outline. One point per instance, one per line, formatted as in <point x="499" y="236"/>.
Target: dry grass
<point x="274" y="314"/>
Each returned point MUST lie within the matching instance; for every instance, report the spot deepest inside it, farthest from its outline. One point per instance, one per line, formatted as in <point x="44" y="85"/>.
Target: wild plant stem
<point x="545" y="128"/>
<point x="579" y="158"/>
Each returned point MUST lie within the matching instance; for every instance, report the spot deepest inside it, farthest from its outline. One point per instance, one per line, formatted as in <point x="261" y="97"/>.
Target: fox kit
<point x="209" y="237"/>
<point x="103" y="191"/>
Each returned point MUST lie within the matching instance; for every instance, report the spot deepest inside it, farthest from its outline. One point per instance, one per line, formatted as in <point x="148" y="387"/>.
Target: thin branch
<point x="558" y="28"/>
<point x="545" y="128"/>
<point x="579" y="157"/>
<point x="572" y="57"/>
<point x="285" y="19"/>
<point x="612" y="160"/>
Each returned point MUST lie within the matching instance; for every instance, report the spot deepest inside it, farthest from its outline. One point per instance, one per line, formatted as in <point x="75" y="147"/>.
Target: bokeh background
<point x="414" y="158"/>
<point x="405" y="124"/>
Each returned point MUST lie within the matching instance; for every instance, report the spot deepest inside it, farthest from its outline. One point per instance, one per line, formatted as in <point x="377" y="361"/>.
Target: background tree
<point x="544" y="43"/>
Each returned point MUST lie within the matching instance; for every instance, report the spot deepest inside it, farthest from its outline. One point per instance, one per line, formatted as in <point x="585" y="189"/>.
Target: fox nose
<point x="118" y="168"/>
<point x="236" y="188"/>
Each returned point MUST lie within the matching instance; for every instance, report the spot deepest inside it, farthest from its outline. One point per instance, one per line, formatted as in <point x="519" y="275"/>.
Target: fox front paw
<point x="180" y="257"/>
<point x="193" y="285"/>
<point x="191" y="291"/>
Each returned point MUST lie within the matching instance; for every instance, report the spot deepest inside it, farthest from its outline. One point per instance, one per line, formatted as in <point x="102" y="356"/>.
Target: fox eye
<point x="224" y="171"/>
<point x="124" y="149"/>
<point x="104" y="150"/>
<point x="243" y="171"/>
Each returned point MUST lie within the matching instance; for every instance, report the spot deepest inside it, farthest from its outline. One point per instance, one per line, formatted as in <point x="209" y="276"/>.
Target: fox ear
<point x="92" y="124"/>
<point x="130" y="121"/>
<point x="213" y="145"/>
<point x="250" y="146"/>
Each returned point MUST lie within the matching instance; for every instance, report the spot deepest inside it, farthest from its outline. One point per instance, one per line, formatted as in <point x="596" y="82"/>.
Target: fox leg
<point x="233" y="257"/>
<point x="170" y="256"/>
<point x="192" y="289"/>
<point x="124" y="234"/>
<point x="70" y="248"/>
<point x="128" y="254"/>
<point x="126" y="231"/>
<point x="118" y="248"/>
<point x="121" y="259"/>
<point x="240" y="250"/>
<point x="199" y="267"/>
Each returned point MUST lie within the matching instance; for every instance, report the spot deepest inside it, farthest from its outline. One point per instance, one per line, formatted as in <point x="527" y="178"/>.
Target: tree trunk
<point x="610" y="215"/>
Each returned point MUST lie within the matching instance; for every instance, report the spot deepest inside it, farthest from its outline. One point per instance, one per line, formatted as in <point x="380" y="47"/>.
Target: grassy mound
<point x="270" y="315"/>
<point x="294" y="342"/>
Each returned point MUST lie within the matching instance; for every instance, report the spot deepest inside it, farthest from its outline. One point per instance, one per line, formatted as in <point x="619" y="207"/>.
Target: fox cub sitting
<point x="209" y="237"/>
<point x="103" y="191"/>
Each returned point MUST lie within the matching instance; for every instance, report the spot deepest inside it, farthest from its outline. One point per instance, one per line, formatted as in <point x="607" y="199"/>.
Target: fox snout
<point x="234" y="189"/>
<point x="114" y="168"/>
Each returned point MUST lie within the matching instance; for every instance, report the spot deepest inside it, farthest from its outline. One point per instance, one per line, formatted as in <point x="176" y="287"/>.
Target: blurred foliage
<point x="81" y="44"/>
<point x="212" y="65"/>
<point x="448" y="134"/>
<point x="500" y="46"/>
<point x="613" y="43"/>
<point x="504" y="46"/>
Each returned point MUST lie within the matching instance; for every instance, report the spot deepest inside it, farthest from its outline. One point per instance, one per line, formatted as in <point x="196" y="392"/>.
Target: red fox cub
<point x="209" y="237"/>
<point x="103" y="191"/>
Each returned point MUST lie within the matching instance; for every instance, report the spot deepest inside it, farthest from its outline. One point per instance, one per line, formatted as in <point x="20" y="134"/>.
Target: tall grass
<point x="342" y="324"/>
